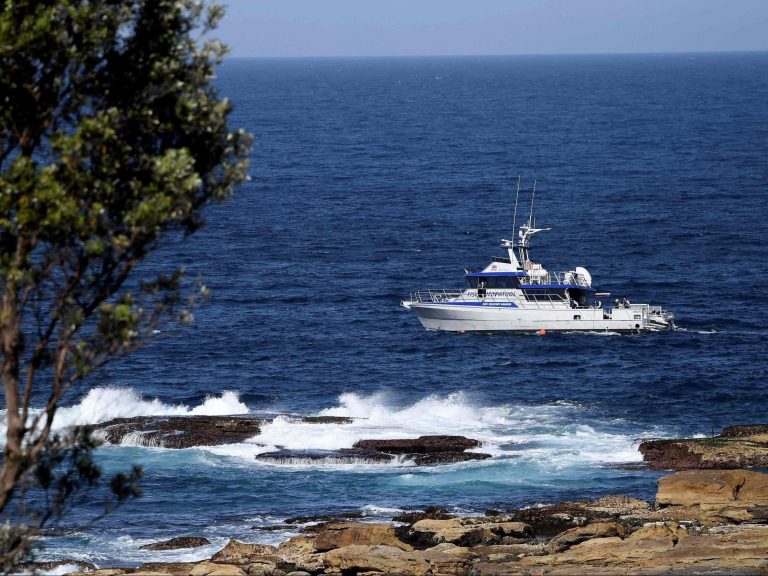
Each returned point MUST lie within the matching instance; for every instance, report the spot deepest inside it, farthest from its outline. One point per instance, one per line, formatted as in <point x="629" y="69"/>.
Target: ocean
<point x="372" y="178"/>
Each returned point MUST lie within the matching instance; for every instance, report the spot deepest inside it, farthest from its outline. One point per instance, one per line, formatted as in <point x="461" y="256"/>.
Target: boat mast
<point x="514" y="214"/>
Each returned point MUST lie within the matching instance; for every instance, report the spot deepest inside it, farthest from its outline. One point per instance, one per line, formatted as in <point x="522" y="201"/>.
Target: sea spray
<point x="102" y="404"/>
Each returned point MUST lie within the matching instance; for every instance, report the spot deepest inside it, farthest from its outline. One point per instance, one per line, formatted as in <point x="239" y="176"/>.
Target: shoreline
<point x="702" y="521"/>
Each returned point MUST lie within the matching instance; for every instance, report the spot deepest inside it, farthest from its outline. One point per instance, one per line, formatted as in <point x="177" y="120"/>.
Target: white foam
<point x="542" y="433"/>
<point x="374" y="510"/>
<point x="102" y="404"/>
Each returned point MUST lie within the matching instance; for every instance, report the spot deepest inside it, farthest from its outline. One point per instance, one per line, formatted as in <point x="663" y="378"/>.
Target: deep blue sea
<point x="375" y="177"/>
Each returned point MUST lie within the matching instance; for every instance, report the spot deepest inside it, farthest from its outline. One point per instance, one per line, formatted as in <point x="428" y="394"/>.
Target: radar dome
<point x="584" y="273"/>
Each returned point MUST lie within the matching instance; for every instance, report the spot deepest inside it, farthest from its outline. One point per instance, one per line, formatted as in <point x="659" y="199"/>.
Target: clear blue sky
<point x="468" y="27"/>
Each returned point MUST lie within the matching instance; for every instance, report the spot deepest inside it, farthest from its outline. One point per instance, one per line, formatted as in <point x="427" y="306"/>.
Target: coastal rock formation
<point x="420" y="445"/>
<point x="742" y="446"/>
<point x="655" y="549"/>
<point x="239" y="553"/>
<point x="422" y="451"/>
<point x="557" y="518"/>
<point x="574" y="536"/>
<point x="384" y="559"/>
<point x="348" y="533"/>
<point x="712" y="497"/>
<point x="177" y="543"/>
<point x="178" y="431"/>
<point x="56" y="565"/>
<point x="324" y="457"/>
<point x="189" y="431"/>
<point x="430" y="512"/>
<point x="470" y="531"/>
<point x="426" y="450"/>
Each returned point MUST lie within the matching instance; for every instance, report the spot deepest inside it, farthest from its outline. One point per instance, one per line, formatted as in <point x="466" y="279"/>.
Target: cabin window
<point x="491" y="281"/>
<point x="577" y="316"/>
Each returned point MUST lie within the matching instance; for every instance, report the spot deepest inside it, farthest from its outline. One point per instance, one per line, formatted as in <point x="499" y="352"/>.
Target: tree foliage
<point x="111" y="135"/>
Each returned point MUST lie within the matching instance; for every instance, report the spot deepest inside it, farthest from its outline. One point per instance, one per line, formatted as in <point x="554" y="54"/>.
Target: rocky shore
<point x="709" y="517"/>
<point x="187" y="431"/>
<point x="743" y="446"/>
<point x="701" y="522"/>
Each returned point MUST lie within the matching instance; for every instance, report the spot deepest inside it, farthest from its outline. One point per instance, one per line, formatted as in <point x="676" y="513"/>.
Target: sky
<point x="280" y="28"/>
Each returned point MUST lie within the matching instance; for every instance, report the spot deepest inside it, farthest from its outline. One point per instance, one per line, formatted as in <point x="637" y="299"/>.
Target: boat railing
<point x="545" y="301"/>
<point x="554" y="278"/>
<point x="437" y="296"/>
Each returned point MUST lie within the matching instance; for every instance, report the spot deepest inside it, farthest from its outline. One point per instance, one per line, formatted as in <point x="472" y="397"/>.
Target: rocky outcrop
<point x="54" y="565"/>
<point x="239" y="553"/>
<point x="348" y="533"/>
<point x="324" y="457"/>
<point x="299" y="554"/>
<point x="422" y="451"/>
<point x="178" y="431"/>
<point x="384" y="559"/>
<point x="426" y="450"/>
<point x="420" y="445"/>
<point x="430" y="512"/>
<point x="655" y="549"/>
<point x="574" y="536"/>
<point x="556" y="518"/>
<point x="471" y="531"/>
<point x="177" y="543"/>
<point x="741" y="446"/>
<point x="712" y="497"/>
<point x="189" y="431"/>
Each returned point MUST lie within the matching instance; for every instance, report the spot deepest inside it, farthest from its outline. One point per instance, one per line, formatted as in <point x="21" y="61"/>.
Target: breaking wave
<point x="102" y="404"/>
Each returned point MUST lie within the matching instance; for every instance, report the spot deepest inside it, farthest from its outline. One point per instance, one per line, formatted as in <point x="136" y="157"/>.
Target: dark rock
<point x="305" y="457"/>
<point x="669" y="455"/>
<point x="324" y="518"/>
<point x="744" y="430"/>
<point x="53" y="564"/>
<point x="273" y="528"/>
<point x="437" y="458"/>
<point x="429" y="513"/>
<point x="176" y="543"/>
<point x="327" y="420"/>
<point x="421" y="445"/>
<point x="630" y="466"/>
<point x="359" y="455"/>
<point x="180" y="431"/>
<point x="188" y="431"/>
<point x="426" y="450"/>
<point x="718" y="453"/>
<point x="552" y="520"/>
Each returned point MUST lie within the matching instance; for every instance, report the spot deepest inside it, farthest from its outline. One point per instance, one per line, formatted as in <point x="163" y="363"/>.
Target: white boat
<point x="515" y="294"/>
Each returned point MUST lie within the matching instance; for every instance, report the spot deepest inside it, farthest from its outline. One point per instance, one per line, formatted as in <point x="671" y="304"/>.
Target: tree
<point x="112" y="136"/>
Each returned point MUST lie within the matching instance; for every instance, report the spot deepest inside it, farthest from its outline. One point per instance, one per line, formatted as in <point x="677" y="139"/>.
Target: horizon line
<point x="231" y="56"/>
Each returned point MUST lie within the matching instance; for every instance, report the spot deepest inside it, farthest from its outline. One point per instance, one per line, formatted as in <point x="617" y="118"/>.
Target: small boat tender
<point x="516" y="294"/>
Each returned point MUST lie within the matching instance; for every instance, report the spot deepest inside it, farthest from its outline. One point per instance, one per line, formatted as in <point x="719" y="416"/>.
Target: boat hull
<point x="458" y="318"/>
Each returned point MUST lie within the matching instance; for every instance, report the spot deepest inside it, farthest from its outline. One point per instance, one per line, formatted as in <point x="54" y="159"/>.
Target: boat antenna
<point x="514" y="214"/>
<point x="533" y="196"/>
